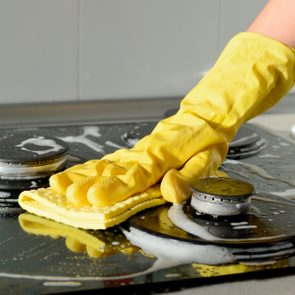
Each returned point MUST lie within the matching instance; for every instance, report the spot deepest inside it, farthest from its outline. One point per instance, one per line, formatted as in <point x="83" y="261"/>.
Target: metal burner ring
<point x="221" y="196"/>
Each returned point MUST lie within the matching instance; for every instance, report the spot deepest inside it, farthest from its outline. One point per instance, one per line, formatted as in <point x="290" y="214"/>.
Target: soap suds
<point x="289" y="193"/>
<point x="4" y="195"/>
<point x="40" y="141"/>
<point x="271" y="156"/>
<point x="62" y="284"/>
<point x="112" y="144"/>
<point x="87" y="130"/>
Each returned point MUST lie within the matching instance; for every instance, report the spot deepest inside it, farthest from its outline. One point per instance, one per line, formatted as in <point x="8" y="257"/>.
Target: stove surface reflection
<point x="39" y="255"/>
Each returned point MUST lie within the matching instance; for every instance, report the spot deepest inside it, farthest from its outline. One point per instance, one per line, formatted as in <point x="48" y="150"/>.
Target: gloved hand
<point x="251" y="75"/>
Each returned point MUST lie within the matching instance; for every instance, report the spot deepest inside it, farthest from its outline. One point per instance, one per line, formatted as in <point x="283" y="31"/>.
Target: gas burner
<point x="26" y="162"/>
<point x="221" y="196"/>
<point x="246" y="143"/>
<point x="267" y="221"/>
<point x="255" y="242"/>
<point x="27" y="156"/>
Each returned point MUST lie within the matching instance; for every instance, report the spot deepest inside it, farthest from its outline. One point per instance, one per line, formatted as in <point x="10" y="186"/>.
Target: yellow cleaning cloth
<point x="96" y="244"/>
<point x="50" y="204"/>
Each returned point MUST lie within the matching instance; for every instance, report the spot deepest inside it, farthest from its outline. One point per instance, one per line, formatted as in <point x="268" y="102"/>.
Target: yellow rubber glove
<point x="251" y="75"/>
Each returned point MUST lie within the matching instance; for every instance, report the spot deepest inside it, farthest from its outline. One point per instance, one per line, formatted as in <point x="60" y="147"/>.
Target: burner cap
<point x="27" y="156"/>
<point x="221" y="196"/>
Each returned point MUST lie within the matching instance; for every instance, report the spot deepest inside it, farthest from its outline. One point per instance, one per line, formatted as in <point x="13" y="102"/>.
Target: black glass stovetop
<point x="42" y="256"/>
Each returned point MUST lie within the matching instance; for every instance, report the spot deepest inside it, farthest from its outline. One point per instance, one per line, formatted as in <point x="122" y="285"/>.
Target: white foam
<point x="112" y="144"/>
<point x="289" y="193"/>
<point x="82" y="138"/>
<point x="91" y="130"/>
<point x="271" y="156"/>
<point x="62" y="284"/>
<point x="40" y="141"/>
<point x="130" y="141"/>
<point x="178" y="218"/>
<point x="245" y="226"/>
<point x="171" y="252"/>
<point x="133" y="141"/>
<point x="284" y="143"/>
<point x="33" y="184"/>
<point x="4" y="194"/>
<point x="239" y="223"/>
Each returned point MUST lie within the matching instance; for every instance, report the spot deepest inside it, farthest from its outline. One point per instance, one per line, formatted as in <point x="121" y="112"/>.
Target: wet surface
<point x="265" y="223"/>
<point x="246" y="144"/>
<point x="25" y="148"/>
<point x="38" y="255"/>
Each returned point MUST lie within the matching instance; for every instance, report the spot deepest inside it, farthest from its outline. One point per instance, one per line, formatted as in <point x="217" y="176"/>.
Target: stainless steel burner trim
<point x="216" y="206"/>
<point x="17" y="171"/>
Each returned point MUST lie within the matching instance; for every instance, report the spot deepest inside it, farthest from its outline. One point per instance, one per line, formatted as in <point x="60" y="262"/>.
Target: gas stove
<point x="148" y="251"/>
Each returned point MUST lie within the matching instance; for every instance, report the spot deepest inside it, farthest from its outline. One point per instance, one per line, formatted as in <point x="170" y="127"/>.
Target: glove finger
<point x="175" y="185"/>
<point x="76" y="174"/>
<point x="76" y="193"/>
<point x="110" y="190"/>
<point x="89" y="168"/>
<point x="60" y="182"/>
<point x="114" y="169"/>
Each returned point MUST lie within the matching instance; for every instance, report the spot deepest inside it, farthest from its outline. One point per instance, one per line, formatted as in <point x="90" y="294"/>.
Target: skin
<point x="277" y="20"/>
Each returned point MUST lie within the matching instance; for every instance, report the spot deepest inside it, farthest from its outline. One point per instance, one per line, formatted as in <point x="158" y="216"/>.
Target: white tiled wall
<point x="38" y="50"/>
<point x="68" y="50"/>
<point x="237" y="15"/>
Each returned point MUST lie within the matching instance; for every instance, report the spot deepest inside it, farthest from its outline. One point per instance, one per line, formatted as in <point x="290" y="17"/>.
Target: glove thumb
<point x="176" y="184"/>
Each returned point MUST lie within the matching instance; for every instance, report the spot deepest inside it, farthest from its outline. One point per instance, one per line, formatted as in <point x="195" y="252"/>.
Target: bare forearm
<point x="277" y="20"/>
